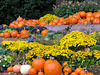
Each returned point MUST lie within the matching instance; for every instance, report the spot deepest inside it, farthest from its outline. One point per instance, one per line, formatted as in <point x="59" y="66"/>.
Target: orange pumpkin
<point x="4" y="25"/>
<point x="2" y="34"/>
<point x="10" y="69"/>
<point x="82" y="14"/>
<point x="97" y="15"/>
<point x="50" y="60"/>
<point x="14" y="33"/>
<point x="20" y="25"/>
<point x="73" y="20"/>
<point x="78" y="70"/>
<point x="37" y="22"/>
<point x="33" y="35"/>
<point x="89" y="14"/>
<point x="52" y="68"/>
<point x="59" y="23"/>
<point x="96" y="21"/>
<point x="66" y="21"/>
<point x="74" y="73"/>
<point x="7" y="34"/>
<point x="15" y="26"/>
<point x="51" y="23"/>
<point x="15" y="22"/>
<point x="38" y="30"/>
<point x="40" y="73"/>
<point x="24" y="34"/>
<point x="56" y="21"/>
<point x="38" y="64"/>
<point x="43" y="23"/>
<point x="11" y="25"/>
<point x="82" y="72"/>
<point x="18" y="35"/>
<point x="85" y="22"/>
<point x="64" y="63"/>
<point x="70" y="17"/>
<point x="19" y="19"/>
<point x="44" y="32"/>
<point x="69" y="70"/>
<point x="88" y="19"/>
<point x="61" y="18"/>
<point x="76" y="16"/>
<point x="22" y="22"/>
<point x="32" y="71"/>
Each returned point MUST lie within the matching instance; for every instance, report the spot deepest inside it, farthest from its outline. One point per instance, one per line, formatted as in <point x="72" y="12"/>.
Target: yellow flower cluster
<point x="76" y="39"/>
<point x="47" y="50"/>
<point x="48" y="18"/>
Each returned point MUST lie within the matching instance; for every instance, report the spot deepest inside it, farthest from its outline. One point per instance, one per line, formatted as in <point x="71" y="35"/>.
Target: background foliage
<point x="28" y="9"/>
<point x="67" y="8"/>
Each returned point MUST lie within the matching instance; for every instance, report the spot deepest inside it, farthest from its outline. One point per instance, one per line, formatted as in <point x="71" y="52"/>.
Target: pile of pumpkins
<point x="78" y="18"/>
<point x="42" y="67"/>
<point x="31" y="22"/>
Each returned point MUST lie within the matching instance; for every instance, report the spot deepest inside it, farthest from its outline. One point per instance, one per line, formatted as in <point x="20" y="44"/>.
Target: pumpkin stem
<point x="53" y="59"/>
<point x="50" y="57"/>
<point x="40" y="70"/>
<point x="26" y="62"/>
<point x="24" y="28"/>
<point x="38" y="56"/>
<point x="32" y="66"/>
<point x="85" y="72"/>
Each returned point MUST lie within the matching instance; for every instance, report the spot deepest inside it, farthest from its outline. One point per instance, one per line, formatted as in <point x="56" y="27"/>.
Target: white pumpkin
<point x="24" y="69"/>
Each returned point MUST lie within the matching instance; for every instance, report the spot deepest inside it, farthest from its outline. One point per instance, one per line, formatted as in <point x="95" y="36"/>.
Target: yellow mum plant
<point x="48" y="18"/>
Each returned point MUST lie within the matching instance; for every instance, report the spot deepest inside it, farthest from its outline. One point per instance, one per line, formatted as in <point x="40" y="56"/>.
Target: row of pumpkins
<point x="23" y="34"/>
<point x="78" y="18"/>
<point x="49" y="67"/>
<point x="20" y="22"/>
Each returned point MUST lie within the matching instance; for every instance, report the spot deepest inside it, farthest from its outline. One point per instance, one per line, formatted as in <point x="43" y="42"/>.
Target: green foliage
<point x="28" y="9"/>
<point x="57" y="38"/>
<point x="95" y="47"/>
<point x="69" y="8"/>
<point x="3" y="51"/>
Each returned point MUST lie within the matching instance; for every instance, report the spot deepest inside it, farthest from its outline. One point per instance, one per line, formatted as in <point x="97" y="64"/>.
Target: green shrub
<point x="69" y="8"/>
<point x="28" y="9"/>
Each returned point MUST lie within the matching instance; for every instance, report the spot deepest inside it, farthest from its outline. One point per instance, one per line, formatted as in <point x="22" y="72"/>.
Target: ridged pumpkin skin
<point x="38" y="64"/>
<point x="7" y="34"/>
<point x="24" y="34"/>
<point x="32" y="71"/>
<point x="16" y="68"/>
<point x="14" y="33"/>
<point x="52" y="68"/>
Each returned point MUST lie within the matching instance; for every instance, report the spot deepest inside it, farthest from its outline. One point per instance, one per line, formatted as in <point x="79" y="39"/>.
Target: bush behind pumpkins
<point x="67" y="8"/>
<point x="28" y="9"/>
